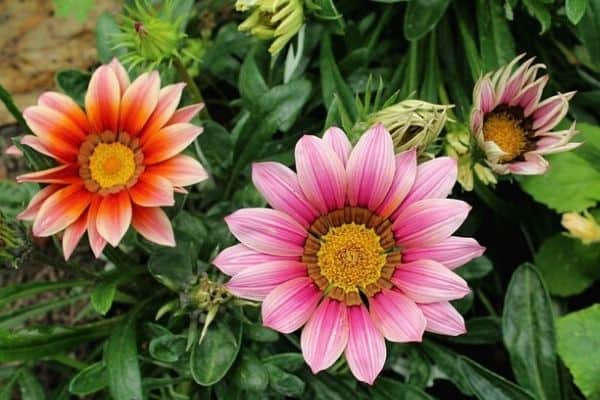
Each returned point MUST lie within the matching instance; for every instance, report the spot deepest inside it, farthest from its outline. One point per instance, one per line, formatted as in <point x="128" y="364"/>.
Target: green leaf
<point x="487" y="385"/>
<point x="120" y="357"/>
<point x="539" y="11"/>
<point x="174" y="267"/>
<point x="528" y="333"/>
<point x="103" y="295"/>
<point x="289" y="362"/>
<point x="168" y="348"/>
<point x="575" y="10"/>
<point x="475" y="269"/>
<point x="31" y="389"/>
<point x="422" y="16"/>
<point x="78" y="9"/>
<point x="211" y="359"/>
<point x="573" y="181"/>
<point x="480" y="330"/>
<point x="250" y="374"/>
<point x="106" y="28"/>
<point x="89" y="380"/>
<point x="73" y="83"/>
<point x="35" y="161"/>
<point x="12" y="293"/>
<point x="7" y="99"/>
<point x="579" y="347"/>
<point x="568" y="266"/>
<point x="251" y="84"/>
<point x="20" y="314"/>
<point x="588" y="30"/>
<point x="259" y="333"/>
<point x="496" y="43"/>
<point x="448" y="363"/>
<point x="332" y="82"/>
<point x="388" y="389"/>
<point x="284" y="383"/>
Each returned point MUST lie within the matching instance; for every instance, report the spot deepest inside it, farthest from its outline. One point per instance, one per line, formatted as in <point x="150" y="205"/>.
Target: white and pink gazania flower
<point x="511" y="123"/>
<point x="357" y="248"/>
<point x="118" y="161"/>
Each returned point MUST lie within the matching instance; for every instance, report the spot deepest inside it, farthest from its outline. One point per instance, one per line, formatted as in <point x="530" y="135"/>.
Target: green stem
<point x="486" y="302"/>
<point x="196" y="94"/>
<point x="69" y="362"/>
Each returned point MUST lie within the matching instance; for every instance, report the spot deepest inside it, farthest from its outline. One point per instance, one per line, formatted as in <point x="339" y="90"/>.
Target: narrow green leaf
<point x="106" y="28"/>
<point x="539" y="11"/>
<point x="18" y="315"/>
<point x="388" y="389"/>
<point x="496" y="44"/>
<point x="35" y="161"/>
<point x="7" y="99"/>
<point x="422" y="16"/>
<point x="251" y="83"/>
<point x="448" y="363"/>
<point x="12" y="293"/>
<point x="575" y="10"/>
<point x="120" y="357"/>
<point x="480" y="330"/>
<point x="89" y="380"/>
<point x="102" y="296"/>
<point x="588" y="30"/>
<point x="332" y="82"/>
<point x="31" y="388"/>
<point x="528" y="333"/>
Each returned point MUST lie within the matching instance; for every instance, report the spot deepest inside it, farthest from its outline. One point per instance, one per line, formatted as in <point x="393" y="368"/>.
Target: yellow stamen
<point x="351" y="257"/>
<point x="112" y="164"/>
<point x="506" y="132"/>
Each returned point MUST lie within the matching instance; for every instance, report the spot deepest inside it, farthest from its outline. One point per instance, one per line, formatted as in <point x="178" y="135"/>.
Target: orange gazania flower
<point x="118" y="162"/>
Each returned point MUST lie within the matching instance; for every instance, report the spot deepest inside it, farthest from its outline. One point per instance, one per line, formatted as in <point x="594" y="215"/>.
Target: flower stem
<point x="196" y="94"/>
<point x="486" y="302"/>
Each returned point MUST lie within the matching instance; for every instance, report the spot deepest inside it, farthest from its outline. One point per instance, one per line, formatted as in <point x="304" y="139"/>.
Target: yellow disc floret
<point x="507" y="133"/>
<point x="351" y="256"/>
<point x="112" y="164"/>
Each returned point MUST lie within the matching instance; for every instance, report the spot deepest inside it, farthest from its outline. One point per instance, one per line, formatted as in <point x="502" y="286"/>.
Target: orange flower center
<point x="109" y="163"/>
<point x="506" y="131"/>
<point x="350" y="251"/>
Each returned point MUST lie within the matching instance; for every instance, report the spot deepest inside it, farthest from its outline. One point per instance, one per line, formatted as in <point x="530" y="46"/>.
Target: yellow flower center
<point x="507" y="133"/>
<point x="351" y="256"/>
<point x="350" y="251"/>
<point x="112" y="164"/>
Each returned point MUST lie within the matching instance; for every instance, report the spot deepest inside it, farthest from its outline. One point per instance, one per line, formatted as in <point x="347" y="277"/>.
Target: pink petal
<point x="404" y="178"/>
<point x="97" y="242"/>
<point x="534" y="164"/>
<point x="168" y="142"/>
<point x="67" y="107"/>
<point x="290" y="305"/>
<point x="434" y="180"/>
<point x="486" y="98"/>
<point x="60" y="210"/>
<point x="268" y="231"/>
<point x="185" y="114"/>
<point x="397" y="317"/>
<point x="337" y="139"/>
<point x="14" y="151"/>
<point x="36" y="202"/>
<point x="530" y="95"/>
<point x="515" y="83"/>
<point x="236" y="258"/>
<point x="279" y="186"/>
<point x="452" y="252"/>
<point x="152" y="190"/>
<point x="325" y="335"/>
<point x="153" y="224"/>
<point x="73" y="234"/>
<point x="181" y="170"/>
<point x="320" y="173"/>
<point x="371" y="168"/>
<point x="35" y="143"/>
<point x="63" y="174"/>
<point x="443" y="319"/>
<point x="138" y="102"/>
<point x="168" y="99"/>
<point x="551" y="111"/>
<point x="366" y="350"/>
<point x="429" y="221"/>
<point x="121" y="74"/>
<point x="102" y="100"/>
<point x="257" y="282"/>
<point x="427" y="281"/>
<point x="114" y="217"/>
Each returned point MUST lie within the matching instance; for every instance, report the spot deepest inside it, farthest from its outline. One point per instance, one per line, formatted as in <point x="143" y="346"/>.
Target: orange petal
<point x="169" y="141"/>
<point x="66" y="106"/>
<point x="65" y="174"/>
<point x="73" y="235"/>
<point x="181" y="170"/>
<point x="168" y="99"/>
<point x="102" y="100"/>
<point x="114" y="217"/>
<point x="97" y="242"/>
<point x="185" y="114"/>
<point x="61" y="209"/>
<point x="138" y="102"/>
<point x="35" y="143"/>
<point x="152" y="190"/>
<point x="36" y="202"/>
<point x="153" y="224"/>
<point x="120" y="73"/>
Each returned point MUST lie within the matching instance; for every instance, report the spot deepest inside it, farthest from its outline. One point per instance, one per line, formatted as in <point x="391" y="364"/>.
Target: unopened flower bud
<point x="583" y="227"/>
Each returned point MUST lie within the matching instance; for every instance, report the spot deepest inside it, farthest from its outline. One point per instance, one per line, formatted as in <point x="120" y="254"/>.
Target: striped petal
<point x="236" y="258"/>
<point x="371" y="168"/>
<point x="325" y="335"/>
<point x="35" y="143"/>
<point x="153" y="224"/>
<point x="168" y="99"/>
<point x="97" y="242"/>
<point x="366" y="350"/>
<point x="257" y="282"/>
<point x="168" y="142"/>
<point x="443" y="319"/>
<point x="73" y="234"/>
<point x="114" y="217"/>
<point x="279" y="186"/>
<point x="138" y="102"/>
<point x="152" y="190"/>
<point x="290" y="304"/>
<point x="452" y="252"/>
<point x="268" y="231"/>
<point x="63" y="174"/>
<point x="36" y="202"/>
<point x="181" y="170"/>
<point x="60" y="210"/>
<point x="397" y="317"/>
<point x="185" y="114"/>
<point x="102" y="100"/>
<point x="121" y="74"/>
<point x="66" y="106"/>
<point x="338" y="141"/>
<point x="404" y="178"/>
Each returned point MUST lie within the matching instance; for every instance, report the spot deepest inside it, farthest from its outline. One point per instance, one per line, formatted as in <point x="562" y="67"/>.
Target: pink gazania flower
<point x="357" y="248"/>
<point x="511" y="123"/>
<point x="118" y="162"/>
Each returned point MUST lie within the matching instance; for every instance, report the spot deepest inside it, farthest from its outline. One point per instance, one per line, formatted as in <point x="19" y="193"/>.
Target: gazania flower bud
<point x="272" y="19"/>
<point x="583" y="227"/>
<point x="412" y="123"/>
<point x="14" y="244"/>
<point x="149" y="36"/>
<point x="485" y="174"/>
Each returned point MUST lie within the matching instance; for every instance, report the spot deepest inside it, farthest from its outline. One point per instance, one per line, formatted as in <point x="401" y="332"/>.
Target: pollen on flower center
<point x="112" y="164"/>
<point x="507" y="133"/>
